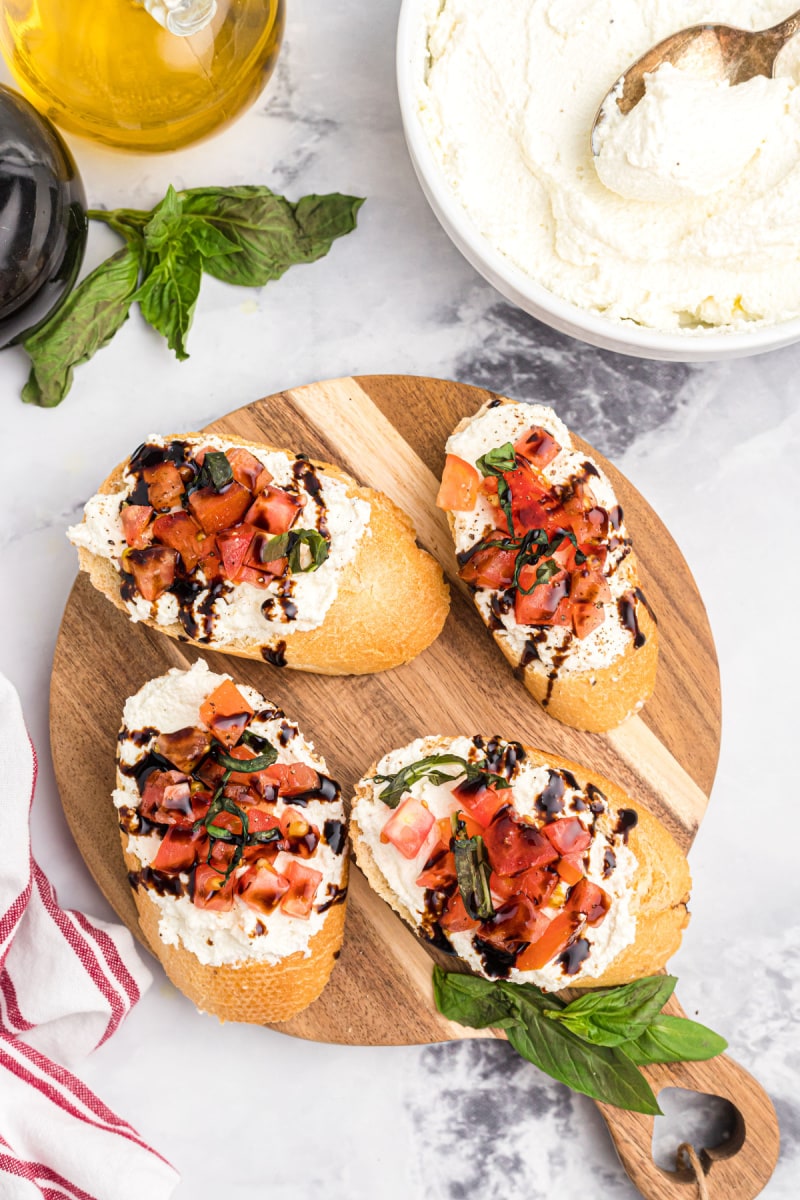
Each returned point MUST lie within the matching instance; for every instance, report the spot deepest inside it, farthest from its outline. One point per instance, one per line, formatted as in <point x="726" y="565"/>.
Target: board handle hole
<point x="704" y="1121"/>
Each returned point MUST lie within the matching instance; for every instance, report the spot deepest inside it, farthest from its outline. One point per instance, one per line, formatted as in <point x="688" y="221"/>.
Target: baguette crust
<point x="661" y="887"/>
<point x="597" y="700"/>
<point x="255" y="992"/>
<point x="392" y="600"/>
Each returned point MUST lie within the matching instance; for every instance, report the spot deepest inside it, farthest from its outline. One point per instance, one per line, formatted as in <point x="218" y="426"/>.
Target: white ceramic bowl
<point x="520" y="288"/>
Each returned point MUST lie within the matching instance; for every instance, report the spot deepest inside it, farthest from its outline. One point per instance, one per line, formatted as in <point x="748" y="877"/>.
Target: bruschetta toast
<point x="525" y="865"/>
<point x="235" y="844"/>
<point x="541" y="541"/>
<point x="262" y="553"/>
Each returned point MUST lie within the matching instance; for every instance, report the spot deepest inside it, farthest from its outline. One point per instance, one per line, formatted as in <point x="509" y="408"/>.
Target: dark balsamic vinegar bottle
<point x="42" y="218"/>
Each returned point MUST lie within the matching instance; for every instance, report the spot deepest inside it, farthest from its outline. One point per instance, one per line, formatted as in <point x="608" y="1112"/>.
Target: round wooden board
<point x="389" y="432"/>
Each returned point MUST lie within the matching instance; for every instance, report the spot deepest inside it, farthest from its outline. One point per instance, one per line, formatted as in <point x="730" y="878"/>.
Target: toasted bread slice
<point x="252" y="938"/>
<point x="590" y="676"/>
<point x="648" y="906"/>
<point x="390" y="603"/>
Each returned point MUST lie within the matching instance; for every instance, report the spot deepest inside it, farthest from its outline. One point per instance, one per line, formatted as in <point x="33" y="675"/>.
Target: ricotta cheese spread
<point x="242" y="934"/>
<point x="492" y="426"/>
<point x="706" y="232"/>
<point x="242" y="611"/>
<point x="606" y="940"/>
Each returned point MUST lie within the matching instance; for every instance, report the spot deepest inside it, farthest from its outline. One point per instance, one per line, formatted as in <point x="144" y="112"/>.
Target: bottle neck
<point x="181" y="17"/>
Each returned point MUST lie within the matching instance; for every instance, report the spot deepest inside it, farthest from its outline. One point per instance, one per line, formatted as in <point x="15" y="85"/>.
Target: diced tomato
<point x="531" y="502"/>
<point x="588" y="587"/>
<point x="586" y="618"/>
<point x="135" y="518"/>
<point x="537" y="883"/>
<point x="226" y="713"/>
<point x="180" y="850"/>
<point x="300" y="835"/>
<point x="408" y="827"/>
<point x="247" y="470"/>
<point x="570" y="868"/>
<point x="260" y="821"/>
<point x="274" y="510"/>
<point x="219" y="510"/>
<point x="164" y="485"/>
<point x="554" y="938"/>
<point x="511" y="924"/>
<point x="233" y="545"/>
<point x="594" y="557"/>
<point x="303" y="884"/>
<point x="483" y="803"/>
<point x="440" y="869"/>
<point x="211" y="890"/>
<point x="262" y="888"/>
<point x="166" y="798"/>
<point x="537" y="446"/>
<point x="181" y="533"/>
<point x="568" y="835"/>
<point x="185" y="747"/>
<point x="292" y="779"/>
<point x="210" y="563"/>
<point x="459" y="487"/>
<point x="590" y="901"/>
<point x="514" y="845"/>
<point x="490" y="568"/>
<point x="455" y="918"/>
<point x="539" y="606"/>
<point x="247" y="778"/>
<point x="153" y="569"/>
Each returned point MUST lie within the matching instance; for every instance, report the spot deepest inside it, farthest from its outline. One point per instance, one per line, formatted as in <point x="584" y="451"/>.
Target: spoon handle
<point x="786" y="29"/>
<point x="738" y="1169"/>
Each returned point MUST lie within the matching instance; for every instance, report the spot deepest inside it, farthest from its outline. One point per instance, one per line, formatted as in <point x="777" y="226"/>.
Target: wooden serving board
<point x="389" y="432"/>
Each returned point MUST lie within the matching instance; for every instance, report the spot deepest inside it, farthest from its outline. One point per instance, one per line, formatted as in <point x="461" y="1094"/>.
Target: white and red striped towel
<point x="66" y="983"/>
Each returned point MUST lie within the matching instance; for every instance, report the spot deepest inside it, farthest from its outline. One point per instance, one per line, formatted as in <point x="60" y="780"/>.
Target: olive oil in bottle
<point x="141" y="74"/>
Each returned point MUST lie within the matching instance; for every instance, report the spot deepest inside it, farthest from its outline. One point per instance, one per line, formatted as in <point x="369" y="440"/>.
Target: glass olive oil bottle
<point x="141" y="74"/>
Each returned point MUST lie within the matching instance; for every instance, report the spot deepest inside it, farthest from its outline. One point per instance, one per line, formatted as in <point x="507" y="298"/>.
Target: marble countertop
<point x="713" y="448"/>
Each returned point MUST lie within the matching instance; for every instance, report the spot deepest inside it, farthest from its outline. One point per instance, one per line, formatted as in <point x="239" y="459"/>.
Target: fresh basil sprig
<point x="496" y="462"/>
<point x="595" y="1044"/>
<point x="289" y="545"/>
<point x="241" y="235"/>
<point x="403" y="780"/>
<point x="472" y="871"/>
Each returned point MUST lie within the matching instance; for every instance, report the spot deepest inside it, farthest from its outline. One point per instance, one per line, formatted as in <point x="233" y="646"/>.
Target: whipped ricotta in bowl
<point x="506" y="96"/>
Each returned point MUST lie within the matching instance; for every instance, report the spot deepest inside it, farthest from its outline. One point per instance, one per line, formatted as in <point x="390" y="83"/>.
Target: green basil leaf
<point x="290" y="545"/>
<point x="164" y="224"/>
<point x="272" y="233"/>
<point x="215" y="472"/>
<point x="643" y="999"/>
<point x="206" y="238"/>
<point x="547" y="570"/>
<point x="497" y="461"/>
<point x="168" y="296"/>
<point x="675" y="1039"/>
<point x="404" y="780"/>
<point x="247" y="766"/>
<point x="85" y="322"/>
<point x="478" y="1003"/>
<point x="601" y="1072"/>
<point x="263" y="836"/>
<point x="472" y="871"/>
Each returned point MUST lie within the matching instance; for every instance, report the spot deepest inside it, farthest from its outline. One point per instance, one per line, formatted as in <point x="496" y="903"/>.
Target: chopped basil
<point x="403" y="780"/>
<point x="289" y="545"/>
<point x="472" y="871"/>
<point x="216" y="471"/>
<point x="496" y="462"/>
<point x="248" y="765"/>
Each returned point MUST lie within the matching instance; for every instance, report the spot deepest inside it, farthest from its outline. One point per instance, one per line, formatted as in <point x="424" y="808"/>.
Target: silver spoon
<point x="721" y="52"/>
